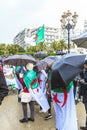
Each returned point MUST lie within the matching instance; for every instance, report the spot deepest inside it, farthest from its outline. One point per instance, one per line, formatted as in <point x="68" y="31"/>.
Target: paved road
<point x="11" y="112"/>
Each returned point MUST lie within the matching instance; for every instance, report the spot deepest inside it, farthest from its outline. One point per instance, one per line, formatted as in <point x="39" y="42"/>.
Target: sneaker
<point x="48" y="117"/>
<point x="30" y="119"/>
<point x="83" y="128"/>
<point x="24" y="120"/>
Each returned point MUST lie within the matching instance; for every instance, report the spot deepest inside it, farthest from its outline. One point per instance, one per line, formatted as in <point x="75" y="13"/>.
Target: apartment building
<point x="50" y="34"/>
<point x="20" y="38"/>
<point x="85" y="26"/>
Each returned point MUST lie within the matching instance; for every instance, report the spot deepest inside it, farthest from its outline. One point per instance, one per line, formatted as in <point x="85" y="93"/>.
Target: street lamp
<point x="68" y="22"/>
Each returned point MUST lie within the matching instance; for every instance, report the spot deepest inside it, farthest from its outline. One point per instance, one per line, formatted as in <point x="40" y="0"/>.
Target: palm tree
<point x="62" y="45"/>
<point x="54" y="45"/>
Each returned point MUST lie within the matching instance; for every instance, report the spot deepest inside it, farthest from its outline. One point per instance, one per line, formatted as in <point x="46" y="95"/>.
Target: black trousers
<point x="49" y="101"/>
<point x="31" y="105"/>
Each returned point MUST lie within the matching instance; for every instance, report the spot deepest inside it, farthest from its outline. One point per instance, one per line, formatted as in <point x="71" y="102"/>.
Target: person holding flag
<point x="63" y="73"/>
<point x="64" y="105"/>
<point x="32" y="83"/>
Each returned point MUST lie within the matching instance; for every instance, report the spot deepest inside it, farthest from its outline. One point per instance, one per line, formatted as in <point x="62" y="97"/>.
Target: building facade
<point x="50" y="34"/>
<point x="85" y="26"/>
<point x="20" y="38"/>
<point x="73" y="34"/>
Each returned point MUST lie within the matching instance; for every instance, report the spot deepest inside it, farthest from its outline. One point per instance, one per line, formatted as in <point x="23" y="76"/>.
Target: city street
<point x="11" y="112"/>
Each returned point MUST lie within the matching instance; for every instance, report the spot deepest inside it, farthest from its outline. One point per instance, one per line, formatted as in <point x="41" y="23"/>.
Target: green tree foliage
<point x="14" y="48"/>
<point x="6" y="49"/>
<point x="31" y="49"/>
<point x="62" y="45"/>
<point x="21" y="49"/>
<point x="3" y="49"/>
<point x="39" y="47"/>
<point x="54" y="45"/>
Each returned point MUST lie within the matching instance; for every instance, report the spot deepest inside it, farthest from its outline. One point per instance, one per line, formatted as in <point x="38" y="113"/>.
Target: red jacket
<point x="24" y="87"/>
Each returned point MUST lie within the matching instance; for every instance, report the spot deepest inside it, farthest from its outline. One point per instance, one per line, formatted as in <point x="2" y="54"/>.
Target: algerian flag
<point x="65" y="114"/>
<point x="32" y="83"/>
<point x="31" y="40"/>
<point x="39" y="36"/>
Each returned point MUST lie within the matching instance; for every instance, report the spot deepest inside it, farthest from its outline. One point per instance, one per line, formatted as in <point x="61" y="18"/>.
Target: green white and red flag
<point x="37" y="38"/>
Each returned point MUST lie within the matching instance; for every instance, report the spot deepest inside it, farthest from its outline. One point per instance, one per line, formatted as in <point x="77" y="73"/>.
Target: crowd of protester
<point x="79" y="91"/>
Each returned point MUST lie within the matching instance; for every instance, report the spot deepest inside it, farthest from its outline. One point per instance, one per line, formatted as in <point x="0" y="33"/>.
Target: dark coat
<point x="3" y="87"/>
<point x="83" y="91"/>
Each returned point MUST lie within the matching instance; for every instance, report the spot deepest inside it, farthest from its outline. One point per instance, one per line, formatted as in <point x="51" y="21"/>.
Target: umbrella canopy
<point x="40" y="54"/>
<point x="40" y="65"/>
<point x="60" y="53"/>
<point x="65" y="70"/>
<point x="48" y="61"/>
<point x="54" y="58"/>
<point x="81" y="40"/>
<point x="19" y="60"/>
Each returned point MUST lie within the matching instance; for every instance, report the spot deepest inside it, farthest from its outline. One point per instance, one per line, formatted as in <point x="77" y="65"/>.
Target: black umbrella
<point x="40" y="54"/>
<point x="40" y="65"/>
<point x="19" y="60"/>
<point x="65" y="70"/>
<point x="54" y="58"/>
<point x="81" y="40"/>
<point x="48" y="61"/>
<point x="60" y="53"/>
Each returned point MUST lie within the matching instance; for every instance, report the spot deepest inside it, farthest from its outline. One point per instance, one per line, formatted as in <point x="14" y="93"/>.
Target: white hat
<point x="29" y="66"/>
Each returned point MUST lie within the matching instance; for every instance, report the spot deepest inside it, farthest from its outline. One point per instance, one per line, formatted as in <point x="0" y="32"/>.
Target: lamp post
<point x="68" y="22"/>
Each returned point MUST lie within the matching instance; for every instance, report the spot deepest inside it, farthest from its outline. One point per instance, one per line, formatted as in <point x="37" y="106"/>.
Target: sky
<point x="15" y="15"/>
